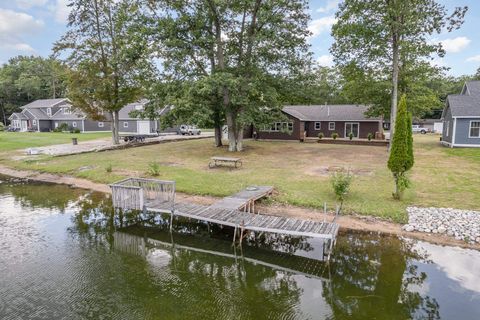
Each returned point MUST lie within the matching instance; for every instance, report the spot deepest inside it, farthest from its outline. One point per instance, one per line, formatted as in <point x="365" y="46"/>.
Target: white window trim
<point x="447" y="130"/>
<point x="318" y="125"/>
<point x="345" y="129"/>
<point x="470" y="130"/>
<point x="100" y="124"/>
<point x="34" y="122"/>
<point x="74" y="124"/>
<point x="67" y="111"/>
<point x="330" y="126"/>
<point x="125" y="124"/>
<point x="49" y="112"/>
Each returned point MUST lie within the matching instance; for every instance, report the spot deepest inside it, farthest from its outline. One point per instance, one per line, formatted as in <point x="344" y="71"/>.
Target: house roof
<point x="44" y="103"/>
<point x="18" y="115"/>
<point x="466" y="104"/>
<point x="343" y="112"/>
<point x="74" y="115"/>
<point x="36" y="114"/>
<point x="124" y="113"/>
<point x="472" y="88"/>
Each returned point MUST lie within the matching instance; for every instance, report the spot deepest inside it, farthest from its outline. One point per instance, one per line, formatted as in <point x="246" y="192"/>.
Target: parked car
<point x="188" y="130"/>
<point x="417" y="129"/>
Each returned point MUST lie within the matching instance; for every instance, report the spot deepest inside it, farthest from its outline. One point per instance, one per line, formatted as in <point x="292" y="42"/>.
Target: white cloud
<point x="455" y="44"/>
<point x="318" y="26"/>
<point x="474" y="58"/>
<point x="331" y="5"/>
<point x="13" y="26"/>
<point x="61" y="11"/>
<point x="325" y="60"/>
<point x="26" y="4"/>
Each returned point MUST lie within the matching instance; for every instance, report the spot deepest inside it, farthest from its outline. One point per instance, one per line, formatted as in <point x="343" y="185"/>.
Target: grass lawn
<point x="442" y="177"/>
<point x="22" y="140"/>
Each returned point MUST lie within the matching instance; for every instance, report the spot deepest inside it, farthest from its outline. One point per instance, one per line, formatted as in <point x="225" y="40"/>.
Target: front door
<point x="307" y="125"/>
<point x="24" y="125"/>
<point x="353" y="127"/>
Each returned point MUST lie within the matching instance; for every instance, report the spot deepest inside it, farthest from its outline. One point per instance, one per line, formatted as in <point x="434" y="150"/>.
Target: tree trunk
<point x="115" y="123"/>
<point x="218" y="136"/>
<point x="395" y="68"/>
<point x="232" y="131"/>
<point x="240" y="138"/>
<point x="396" y="192"/>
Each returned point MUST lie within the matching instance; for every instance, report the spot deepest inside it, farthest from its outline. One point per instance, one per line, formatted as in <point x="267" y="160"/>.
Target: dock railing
<point x="136" y="193"/>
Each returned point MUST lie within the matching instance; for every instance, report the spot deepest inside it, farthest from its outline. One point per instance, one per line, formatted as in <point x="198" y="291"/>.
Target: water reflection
<point x="71" y="256"/>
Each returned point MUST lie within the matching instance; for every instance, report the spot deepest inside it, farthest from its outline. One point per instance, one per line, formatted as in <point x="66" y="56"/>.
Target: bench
<point x="218" y="161"/>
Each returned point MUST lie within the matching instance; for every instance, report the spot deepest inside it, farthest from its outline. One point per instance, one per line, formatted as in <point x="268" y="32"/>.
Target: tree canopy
<point x="109" y="62"/>
<point x="381" y="41"/>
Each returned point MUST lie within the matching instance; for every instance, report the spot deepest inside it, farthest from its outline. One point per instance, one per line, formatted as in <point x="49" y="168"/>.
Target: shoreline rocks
<point x="460" y="224"/>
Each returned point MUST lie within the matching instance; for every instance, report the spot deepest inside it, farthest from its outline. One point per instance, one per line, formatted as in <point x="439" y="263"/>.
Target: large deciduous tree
<point x="108" y="61"/>
<point x="237" y="49"/>
<point x="385" y="37"/>
<point x="24" y="79"/>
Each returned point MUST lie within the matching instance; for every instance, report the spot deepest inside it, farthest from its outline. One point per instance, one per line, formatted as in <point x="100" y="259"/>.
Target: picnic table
<point x="219" y="161"/>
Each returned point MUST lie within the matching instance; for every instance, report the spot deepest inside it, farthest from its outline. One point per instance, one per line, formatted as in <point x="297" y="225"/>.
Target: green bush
<point x="320" y="135"/>
<point x="341" y="182"/>
<point x="2" y="126"/>
<point x="109" y="168"/>
<point x="350" y="135"/>
<point x="154" y="169"/>
<point x="76" y="130"/>
<point x="61" y="128"/>
<point x="334" y="135"/>
<point x="369" y="136"/>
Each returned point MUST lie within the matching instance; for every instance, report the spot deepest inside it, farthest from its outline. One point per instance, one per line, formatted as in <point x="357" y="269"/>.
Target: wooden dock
<point x="237" y="211"/>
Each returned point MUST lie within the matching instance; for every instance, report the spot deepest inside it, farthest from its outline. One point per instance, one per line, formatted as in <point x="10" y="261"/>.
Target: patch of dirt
<point x="347" y="222"/>
<point x="324" y="171"/>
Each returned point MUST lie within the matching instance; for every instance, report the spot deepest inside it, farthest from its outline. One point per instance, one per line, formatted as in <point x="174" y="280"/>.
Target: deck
<point x="237" y="211"/>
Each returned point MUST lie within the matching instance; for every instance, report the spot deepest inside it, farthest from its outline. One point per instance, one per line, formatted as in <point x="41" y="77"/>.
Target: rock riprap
<point x="460" y="224"/>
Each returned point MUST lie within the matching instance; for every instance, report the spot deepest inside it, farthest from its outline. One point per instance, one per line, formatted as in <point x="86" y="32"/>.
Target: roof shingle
<point x="343" y="112"/>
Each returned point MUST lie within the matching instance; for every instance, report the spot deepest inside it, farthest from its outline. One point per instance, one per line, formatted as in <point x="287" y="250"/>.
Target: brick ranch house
<point x="44" y="115"/>
<point x="308" y="121"/>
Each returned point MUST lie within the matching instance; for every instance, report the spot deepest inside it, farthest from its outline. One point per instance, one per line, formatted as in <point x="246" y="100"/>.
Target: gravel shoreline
<point x="459" y="224"/>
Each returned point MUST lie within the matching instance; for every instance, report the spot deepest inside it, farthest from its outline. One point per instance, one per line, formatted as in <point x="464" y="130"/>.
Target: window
<point x="49" y="112"/>
<point x="34" y="122"/>
<point x="67" y="111"/>
<point x="474" y="129"/>
<point x="279" y="127"/>
<point x="100" y="124"/>
<point x="331" y="126"/>
<point x="125" y="124"/>
<point x="447" y="125"/>
<point x="318" y="125"/>
<point x="74" y="124"/>
<point x="56" y="124"/>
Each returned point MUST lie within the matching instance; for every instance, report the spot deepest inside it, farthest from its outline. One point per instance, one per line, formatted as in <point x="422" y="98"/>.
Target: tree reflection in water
<point x="376" y="277"/>
<point x="371" y="276"/>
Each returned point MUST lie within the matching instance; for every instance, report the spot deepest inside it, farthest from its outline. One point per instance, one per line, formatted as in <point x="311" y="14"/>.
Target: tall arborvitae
<point x="401" y="160"/>
<point x="411" y="158"/>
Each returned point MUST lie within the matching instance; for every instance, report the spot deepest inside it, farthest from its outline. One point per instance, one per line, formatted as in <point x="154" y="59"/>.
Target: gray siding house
<point x="47" y="114"/>
<point x="461" y="117"/>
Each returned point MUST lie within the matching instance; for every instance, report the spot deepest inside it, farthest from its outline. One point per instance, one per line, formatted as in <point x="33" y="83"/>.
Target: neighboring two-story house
<point x="461" y="117"/>
<point x="47" y="114"/>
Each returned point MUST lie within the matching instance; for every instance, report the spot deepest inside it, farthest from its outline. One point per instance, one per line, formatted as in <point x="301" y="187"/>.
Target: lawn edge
<point x="348" y="223"/>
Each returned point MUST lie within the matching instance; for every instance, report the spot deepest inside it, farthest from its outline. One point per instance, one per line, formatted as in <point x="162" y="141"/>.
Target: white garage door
<point x="143" y="127"/>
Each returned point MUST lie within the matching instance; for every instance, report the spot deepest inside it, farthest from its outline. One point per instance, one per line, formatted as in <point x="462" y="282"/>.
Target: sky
<point x="30" y="27"/>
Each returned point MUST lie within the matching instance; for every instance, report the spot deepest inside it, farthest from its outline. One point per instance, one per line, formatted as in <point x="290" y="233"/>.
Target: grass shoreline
<point x="442" y="177"/>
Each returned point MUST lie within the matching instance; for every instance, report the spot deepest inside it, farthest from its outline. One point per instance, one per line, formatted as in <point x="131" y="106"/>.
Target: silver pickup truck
<point x="188" y="130"/>
<point x="417" y="129"/>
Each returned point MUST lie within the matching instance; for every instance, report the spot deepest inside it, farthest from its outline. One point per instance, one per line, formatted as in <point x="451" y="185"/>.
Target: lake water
<point x="64" y="254"/>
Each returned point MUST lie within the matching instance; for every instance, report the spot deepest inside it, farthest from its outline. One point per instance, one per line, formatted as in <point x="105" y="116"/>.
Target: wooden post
<point x="234" y="235"/>
<point x="171" y="221"/>
<point x="325" y="211"/>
